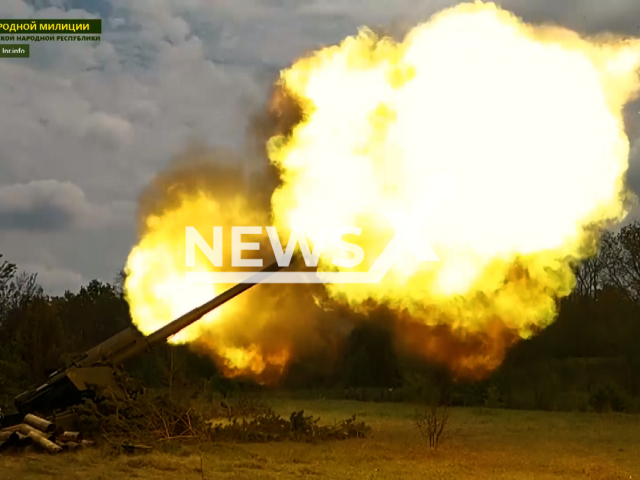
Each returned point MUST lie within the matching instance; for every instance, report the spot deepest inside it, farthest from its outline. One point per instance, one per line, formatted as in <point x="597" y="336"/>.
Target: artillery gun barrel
<point x="190" y="317"/>
<point x="68" y="386"/>
<point x="180" y="323"/>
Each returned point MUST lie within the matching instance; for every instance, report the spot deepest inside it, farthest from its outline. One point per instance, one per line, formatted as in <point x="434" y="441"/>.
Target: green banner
<point x="51" y="26"/>
<point x="16" y="50"/>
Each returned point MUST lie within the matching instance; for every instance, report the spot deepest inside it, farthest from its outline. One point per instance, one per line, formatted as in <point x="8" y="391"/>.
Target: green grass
<point x="491" y="444"/>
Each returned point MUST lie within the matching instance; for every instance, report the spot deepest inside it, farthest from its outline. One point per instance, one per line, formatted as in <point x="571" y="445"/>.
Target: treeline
<point x="589" y="359"/>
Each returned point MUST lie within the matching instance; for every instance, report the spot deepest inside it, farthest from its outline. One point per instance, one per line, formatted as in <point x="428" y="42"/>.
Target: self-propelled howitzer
<point x="93" y="371"/>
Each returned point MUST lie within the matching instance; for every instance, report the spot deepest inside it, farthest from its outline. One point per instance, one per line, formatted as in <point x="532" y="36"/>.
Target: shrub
<point x="573" y="402"/>
<point x="493" y="398"/>
<point x="546" y="392"/>
<point x="431" y="422"/>
<point x="607" y="398"/>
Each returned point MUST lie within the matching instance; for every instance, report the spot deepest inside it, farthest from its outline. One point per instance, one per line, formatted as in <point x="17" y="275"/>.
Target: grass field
<point x="492" y="444"/>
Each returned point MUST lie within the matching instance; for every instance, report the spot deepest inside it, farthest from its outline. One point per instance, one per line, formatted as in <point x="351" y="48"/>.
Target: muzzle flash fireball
<point x="528" y="118"/>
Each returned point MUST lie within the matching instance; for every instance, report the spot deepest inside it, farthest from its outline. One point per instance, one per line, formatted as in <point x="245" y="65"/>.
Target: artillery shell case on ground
<point x="44" y="434"/>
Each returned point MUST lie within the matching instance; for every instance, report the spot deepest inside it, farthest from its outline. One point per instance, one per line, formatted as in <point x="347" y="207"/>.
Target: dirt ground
<point x="491" y="444"/>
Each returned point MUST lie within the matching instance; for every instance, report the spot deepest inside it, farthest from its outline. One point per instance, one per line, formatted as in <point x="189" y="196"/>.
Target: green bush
<point x="418" y="387"/>
<point x="521" y="399"/>
<point x="607" y="398"/>
<point x="493" y="398"/>
<point x="468" y="395"/>
<point x="632" y="404"/>
<point x="573" y="402"/>
<point x="546" y="393"/>
<point x="357" y="394"/>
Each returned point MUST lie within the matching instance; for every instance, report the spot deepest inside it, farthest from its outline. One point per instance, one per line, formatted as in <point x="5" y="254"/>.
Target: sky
<point x="86" y="126"/>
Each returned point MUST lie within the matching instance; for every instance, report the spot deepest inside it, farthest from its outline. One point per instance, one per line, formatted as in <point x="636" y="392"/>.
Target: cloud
<point x="55" y="279"/>
<point x="47" y="205"/>
<point x="85" y="126"/>
<point x="112" y="129"/>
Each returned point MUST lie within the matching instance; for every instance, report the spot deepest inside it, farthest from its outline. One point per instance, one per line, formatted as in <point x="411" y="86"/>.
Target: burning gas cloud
<point x="528" y="121"/>
<point x="251" y="335"/>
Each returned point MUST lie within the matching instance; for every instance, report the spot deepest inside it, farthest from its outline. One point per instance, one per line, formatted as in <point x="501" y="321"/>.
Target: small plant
<point x="431" y="422"/>
<point x="270" y="427"/>
<point x="241" y="405"/>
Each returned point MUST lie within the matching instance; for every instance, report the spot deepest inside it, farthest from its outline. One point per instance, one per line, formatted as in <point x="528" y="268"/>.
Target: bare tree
<point x="7" y="271"/>
<point x="15" y="287"/>
<point x="432" y="421"/>
<point x="121" y="278"/>
<point x="621" y="260"/>
<point x="589" y="277"/>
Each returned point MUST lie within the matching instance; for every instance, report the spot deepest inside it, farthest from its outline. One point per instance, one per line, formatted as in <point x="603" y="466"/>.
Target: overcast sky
<point x="84" y="127"/>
